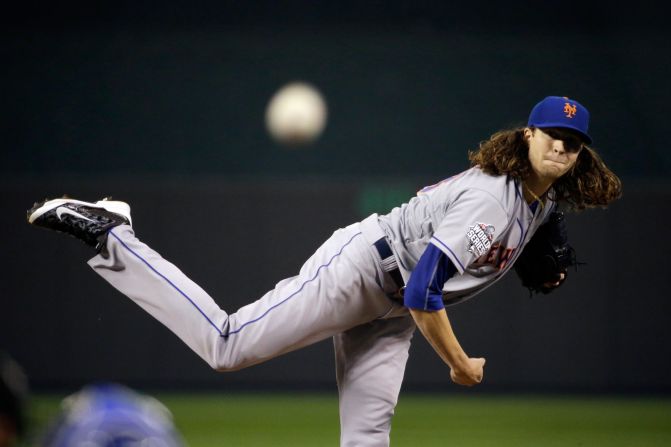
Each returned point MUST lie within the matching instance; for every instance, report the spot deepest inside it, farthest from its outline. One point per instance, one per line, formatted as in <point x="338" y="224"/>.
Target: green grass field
<point x="446" y="420"/>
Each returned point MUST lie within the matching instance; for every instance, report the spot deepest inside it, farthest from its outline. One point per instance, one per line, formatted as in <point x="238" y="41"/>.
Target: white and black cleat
<point x="87" y="221"/>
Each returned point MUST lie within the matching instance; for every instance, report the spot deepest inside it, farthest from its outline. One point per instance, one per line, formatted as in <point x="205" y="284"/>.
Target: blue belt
<point x="389" y="263"/>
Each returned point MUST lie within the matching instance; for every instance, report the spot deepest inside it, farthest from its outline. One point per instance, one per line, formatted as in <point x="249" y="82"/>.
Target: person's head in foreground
<point x="111" y="415"/>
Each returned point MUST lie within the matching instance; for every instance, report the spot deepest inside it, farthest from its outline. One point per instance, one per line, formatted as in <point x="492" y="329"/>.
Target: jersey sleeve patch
<point x="480" y="237"/>
<point x="468" y="229"/>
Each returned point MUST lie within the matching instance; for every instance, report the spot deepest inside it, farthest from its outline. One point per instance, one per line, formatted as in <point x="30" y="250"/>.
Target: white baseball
<point x="296" y="114"/>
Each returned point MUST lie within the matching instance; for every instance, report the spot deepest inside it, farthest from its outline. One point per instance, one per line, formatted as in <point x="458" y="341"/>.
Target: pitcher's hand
<point x="470" y="373"/>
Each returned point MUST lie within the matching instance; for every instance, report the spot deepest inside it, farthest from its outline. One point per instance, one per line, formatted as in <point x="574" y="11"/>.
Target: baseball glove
<point x="546" y="256"/>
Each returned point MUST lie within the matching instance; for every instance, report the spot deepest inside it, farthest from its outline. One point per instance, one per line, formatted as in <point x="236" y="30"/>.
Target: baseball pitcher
<point x="371" y="284"/>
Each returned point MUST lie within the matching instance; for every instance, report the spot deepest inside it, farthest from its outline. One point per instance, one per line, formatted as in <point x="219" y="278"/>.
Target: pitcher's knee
<point x="230" y="363"/>
<point x="227" y="365"/>
<point x="221" y="361"/>
<point x="364" y="430"/>
<point x="365" y="438"/>
<point x="219" y="367"/>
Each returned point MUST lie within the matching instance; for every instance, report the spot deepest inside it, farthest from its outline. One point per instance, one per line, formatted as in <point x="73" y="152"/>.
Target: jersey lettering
<point x="497" y="257"/>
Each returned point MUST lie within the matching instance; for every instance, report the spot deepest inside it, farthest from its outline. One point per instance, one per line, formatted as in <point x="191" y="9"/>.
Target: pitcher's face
<point x="552" y="151"/>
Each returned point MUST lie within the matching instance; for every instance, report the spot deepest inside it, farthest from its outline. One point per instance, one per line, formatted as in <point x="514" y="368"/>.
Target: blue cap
<point x="560" y="111"/>
<point x="111" y="415"/>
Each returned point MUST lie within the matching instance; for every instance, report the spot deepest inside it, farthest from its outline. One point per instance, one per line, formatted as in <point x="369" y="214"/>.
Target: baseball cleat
<point x="86" y="221"/>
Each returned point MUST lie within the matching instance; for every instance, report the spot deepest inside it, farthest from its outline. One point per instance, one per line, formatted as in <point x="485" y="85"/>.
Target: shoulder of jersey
<point x="475" y="178"/>
<point x="500" y="187"/>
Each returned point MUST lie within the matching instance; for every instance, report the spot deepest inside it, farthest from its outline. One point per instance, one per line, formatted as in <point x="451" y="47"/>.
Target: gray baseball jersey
<point x="481" y="222"/>
<point x="342" y="291"/>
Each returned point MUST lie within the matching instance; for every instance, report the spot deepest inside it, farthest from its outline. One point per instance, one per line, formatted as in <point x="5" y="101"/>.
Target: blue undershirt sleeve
<point x="425" y="288"/>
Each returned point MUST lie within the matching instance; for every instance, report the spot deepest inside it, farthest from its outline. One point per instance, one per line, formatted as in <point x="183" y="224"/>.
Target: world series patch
<point x="480" y="237"/>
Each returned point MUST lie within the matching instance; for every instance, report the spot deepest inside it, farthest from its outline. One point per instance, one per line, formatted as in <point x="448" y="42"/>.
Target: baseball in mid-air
<point x="296" y="114"/>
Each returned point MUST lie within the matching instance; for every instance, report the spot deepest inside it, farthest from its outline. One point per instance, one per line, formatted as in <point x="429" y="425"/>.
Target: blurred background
<point x="162" y="105"/>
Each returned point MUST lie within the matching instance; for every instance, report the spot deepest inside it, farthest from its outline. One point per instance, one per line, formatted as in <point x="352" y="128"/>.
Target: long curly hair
<point x="587" y="185"/>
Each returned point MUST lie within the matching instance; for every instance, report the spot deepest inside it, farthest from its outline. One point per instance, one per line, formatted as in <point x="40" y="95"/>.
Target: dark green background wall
<point x="186" y="95"/>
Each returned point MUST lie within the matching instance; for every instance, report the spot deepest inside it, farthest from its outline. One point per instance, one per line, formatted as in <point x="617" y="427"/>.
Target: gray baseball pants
<point x="340" y="292"/>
